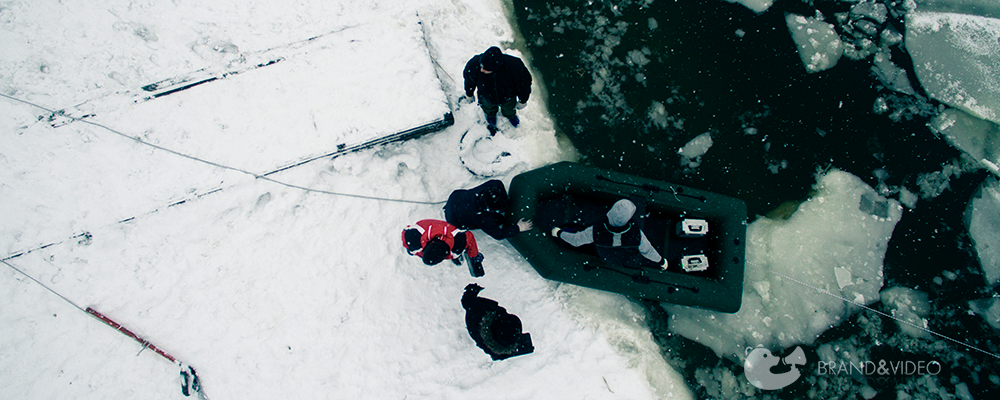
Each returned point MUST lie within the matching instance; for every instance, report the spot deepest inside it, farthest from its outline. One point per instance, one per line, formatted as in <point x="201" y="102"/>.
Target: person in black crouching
<point x="495" y="331"/>
<point x="483" y="207"/>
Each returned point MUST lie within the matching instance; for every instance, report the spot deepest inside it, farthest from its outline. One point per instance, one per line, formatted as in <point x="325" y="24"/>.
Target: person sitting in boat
<point x="483" y="207"/>
<point x="495" y="330"/>
<point x="435" y="241"/>
<point x="617" y="238"/>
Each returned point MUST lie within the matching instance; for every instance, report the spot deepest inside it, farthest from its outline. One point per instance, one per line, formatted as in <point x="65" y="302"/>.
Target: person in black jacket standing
<point x="503" y="83"/>
<point x="483" y="207"/>
<point x="495" y="330"/>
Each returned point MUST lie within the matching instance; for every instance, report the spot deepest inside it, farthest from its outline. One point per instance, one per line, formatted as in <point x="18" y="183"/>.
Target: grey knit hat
<point x="621" y="213"/>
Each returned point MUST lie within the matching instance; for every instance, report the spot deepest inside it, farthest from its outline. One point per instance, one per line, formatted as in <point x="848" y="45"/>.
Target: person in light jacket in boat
<point x="617" y="238"/>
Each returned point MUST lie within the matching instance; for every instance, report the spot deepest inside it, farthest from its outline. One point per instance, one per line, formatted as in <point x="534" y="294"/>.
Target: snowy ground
<point x="151" y="212"/>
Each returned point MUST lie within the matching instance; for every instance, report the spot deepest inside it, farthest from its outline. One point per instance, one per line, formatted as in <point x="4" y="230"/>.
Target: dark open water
<point x="631" y="81"/>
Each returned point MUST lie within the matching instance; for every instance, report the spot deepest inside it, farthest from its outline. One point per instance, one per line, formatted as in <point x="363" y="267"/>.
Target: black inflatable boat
<point x="702" y="235"/>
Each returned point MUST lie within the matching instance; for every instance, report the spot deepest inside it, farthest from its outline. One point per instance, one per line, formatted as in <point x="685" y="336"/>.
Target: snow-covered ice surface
<point x="835" y="242"/>
<point x="268" y="290"/>
<point x="224" y="121"/>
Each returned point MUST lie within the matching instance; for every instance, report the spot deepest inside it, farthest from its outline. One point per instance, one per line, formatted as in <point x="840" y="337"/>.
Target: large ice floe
<point x="955" y="46"/>
<point x="985" y="8"/>
<point x="983" y="217"/>
<point x="957" y="59"/>
<point x="978" y="138"/>
<point x="803" y="273"/>
<point x="989" y="309"/>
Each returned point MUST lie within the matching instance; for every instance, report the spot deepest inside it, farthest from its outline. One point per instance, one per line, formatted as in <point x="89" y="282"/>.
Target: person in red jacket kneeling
<point x="435" y="241"/>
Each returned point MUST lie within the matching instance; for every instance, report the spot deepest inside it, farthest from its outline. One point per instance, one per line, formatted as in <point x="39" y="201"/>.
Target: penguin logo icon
<point x="757" y="368"/>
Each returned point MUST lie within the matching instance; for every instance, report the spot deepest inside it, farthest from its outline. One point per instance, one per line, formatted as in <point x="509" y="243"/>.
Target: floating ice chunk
<point x="962" y="391"/>
<point x="818" y="43"/>
<point x="692" y="151"/>
<point x="871" y="10"/>
<point x="792" y="263"/>
<point x="757" y="6"/>
<point x="776" y="166"/>
<point x="869" y="28"/>
<point x="697" y="147"/>
<point x="890" y="37"/>
<point x="978" y="138"/>
<point x="932" y="184"/>
<point x="983" y="216"/>
<point x="843" y="277"/>
<point x="892" y="76"/>
<point x="881" y="106"/>
<point x="659" y="116"/>
<point x="957" y="60"/>
<point x="638" y="57"/>
<point x="989" y="309"/>
<point x="910" y="308"/>
<point x="868" y="392"/>
<point x="908" y="198"/>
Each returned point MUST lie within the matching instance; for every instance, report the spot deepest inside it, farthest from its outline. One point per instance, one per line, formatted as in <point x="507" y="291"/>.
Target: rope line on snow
<point x="11" y="266"/>
<point x="223" y="166"/>
<point x="827" y="292"/>
<point x="188" y="373"/>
